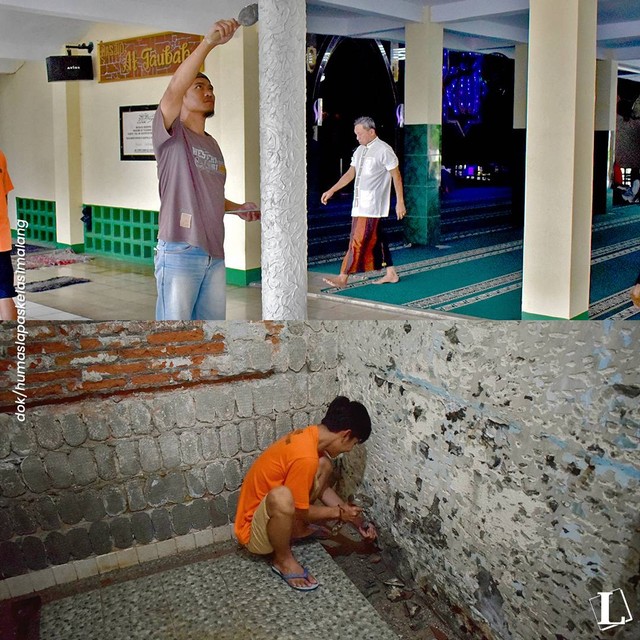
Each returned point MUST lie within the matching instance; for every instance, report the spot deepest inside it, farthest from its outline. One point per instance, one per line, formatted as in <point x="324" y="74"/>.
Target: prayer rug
<point x="29" y="248"/>
<point x="54" y="258"/>
<point x="53" y="283"/>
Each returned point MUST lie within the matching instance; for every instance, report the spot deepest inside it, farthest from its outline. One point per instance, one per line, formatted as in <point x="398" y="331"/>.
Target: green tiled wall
<point x="421" y="178"/>
<point x="41" y="216"/>
<point x="129" y="234"/>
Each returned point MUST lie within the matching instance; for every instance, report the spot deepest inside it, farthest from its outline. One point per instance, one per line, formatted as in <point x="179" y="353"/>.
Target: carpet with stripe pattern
<point x="480" y="274"/>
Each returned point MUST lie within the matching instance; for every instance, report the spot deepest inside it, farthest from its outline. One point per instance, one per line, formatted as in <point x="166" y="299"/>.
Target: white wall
<point x="26" y="116"/>
<point x="106" y="179"/>
<point x="26" y="136"/>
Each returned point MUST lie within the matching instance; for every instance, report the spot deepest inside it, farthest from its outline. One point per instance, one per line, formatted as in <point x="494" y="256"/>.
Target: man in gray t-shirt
<point x="189" y="263"/>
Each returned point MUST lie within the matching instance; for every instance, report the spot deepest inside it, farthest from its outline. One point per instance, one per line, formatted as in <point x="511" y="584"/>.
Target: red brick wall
<point x="74" y="361"/>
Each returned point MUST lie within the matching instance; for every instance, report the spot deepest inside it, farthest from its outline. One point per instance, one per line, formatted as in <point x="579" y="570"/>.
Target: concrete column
<point x="423" y="130"/>
<point x="605" y="126"/>
<point x="282" y="34"/>
<point x="518" y="161"/>
<point x="68" y="165"/>
<point x="559" y="167"/>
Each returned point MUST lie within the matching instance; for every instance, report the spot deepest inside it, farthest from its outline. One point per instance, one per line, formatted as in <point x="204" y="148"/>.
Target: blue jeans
<point x="191" y="284"/>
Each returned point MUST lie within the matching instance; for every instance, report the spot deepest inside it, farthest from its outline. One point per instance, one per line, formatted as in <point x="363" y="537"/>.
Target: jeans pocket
<point x="173" y="247"/>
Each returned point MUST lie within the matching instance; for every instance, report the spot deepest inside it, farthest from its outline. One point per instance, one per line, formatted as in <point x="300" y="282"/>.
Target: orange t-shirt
<point x="5" y="186"/>
<point x="292" y="462"/>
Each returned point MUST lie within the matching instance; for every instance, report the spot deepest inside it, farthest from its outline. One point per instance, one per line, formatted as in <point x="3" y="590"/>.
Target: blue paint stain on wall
<point x="605" y="358"/>
<point x="590" y="564"/>
<point x="561" y="444"/>
<point x="623" y="472"/>
<point x="607" y="326"/>
<point x="577" y="510"/>
<point x="571" y="531"/>
<point x="586" y="396"/>
<point x="624" y="443"/>
<point x="479" y="407"/>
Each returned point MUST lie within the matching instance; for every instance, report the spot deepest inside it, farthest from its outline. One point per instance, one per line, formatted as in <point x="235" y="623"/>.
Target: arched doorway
<point x="347" y="78"/>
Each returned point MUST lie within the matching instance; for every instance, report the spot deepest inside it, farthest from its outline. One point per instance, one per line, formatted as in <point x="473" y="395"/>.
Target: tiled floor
<point x="117" y="291"/>
<point x="230" y="597"/>
<point x="37" y="311"/>
<point x="127" y="291"/>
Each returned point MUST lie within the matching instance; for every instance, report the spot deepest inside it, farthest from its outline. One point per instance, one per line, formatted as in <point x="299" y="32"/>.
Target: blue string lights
<point x="462" y="88"/>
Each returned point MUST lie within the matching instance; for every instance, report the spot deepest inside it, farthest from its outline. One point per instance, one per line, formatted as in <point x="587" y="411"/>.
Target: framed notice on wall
<point x="135" y="132"/>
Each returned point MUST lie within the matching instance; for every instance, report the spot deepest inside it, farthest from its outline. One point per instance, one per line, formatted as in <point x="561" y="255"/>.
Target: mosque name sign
<point x="149" y="56"/>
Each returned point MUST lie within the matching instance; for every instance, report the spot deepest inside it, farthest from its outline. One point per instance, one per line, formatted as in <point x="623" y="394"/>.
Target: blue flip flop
<point x="292" y="576"/>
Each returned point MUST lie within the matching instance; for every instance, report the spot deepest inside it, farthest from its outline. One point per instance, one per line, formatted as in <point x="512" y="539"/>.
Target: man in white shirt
<point x="374" y="166"/>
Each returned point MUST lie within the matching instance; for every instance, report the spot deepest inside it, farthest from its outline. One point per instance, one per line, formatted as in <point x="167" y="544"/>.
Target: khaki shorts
<point x="259" y="540"/>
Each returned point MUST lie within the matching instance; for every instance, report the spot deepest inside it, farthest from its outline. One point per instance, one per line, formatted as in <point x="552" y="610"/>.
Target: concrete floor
<point x="127" y="291"/>
<point x="231" y="595"/>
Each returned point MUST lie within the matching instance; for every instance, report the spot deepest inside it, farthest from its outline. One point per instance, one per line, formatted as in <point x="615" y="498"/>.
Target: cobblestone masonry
<point x="504" y="464"/>
<point x="90" y="472"/>
<point x="503" y="460"/>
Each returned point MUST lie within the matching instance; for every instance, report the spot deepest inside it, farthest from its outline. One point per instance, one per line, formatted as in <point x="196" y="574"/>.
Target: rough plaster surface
<point x="503" y="461"/>
<point x="504" y="464"/>
<point x="283" y="159"/>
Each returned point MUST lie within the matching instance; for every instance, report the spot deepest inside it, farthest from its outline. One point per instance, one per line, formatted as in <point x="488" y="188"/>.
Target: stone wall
<point x="108" y="471"/>
<point x="99" y="359"/>
<point x="503" y="461"/>
<point x="504" y="465"/>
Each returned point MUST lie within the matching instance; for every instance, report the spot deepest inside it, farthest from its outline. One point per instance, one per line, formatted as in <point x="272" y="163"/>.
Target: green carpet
<point x="481" y="276"/>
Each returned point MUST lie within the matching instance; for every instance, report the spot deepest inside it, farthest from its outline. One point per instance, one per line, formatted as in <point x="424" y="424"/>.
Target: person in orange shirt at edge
<point x="278" y="494"/>
<point x="7" y="288"/>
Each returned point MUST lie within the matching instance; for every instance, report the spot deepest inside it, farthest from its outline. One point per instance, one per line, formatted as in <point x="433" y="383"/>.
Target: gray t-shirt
<point x="191" y="176"/>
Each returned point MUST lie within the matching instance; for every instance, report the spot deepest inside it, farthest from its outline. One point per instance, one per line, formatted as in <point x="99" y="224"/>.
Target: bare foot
<point x="388" y="278"/>
<point x="339" y="281"/>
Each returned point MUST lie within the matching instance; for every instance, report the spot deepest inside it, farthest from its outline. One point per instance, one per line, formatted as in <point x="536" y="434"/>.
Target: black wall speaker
<point x="69" y="68"/>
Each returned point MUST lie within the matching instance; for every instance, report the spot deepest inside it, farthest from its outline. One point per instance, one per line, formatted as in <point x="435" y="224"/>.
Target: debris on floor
<point x="398" y="602"/>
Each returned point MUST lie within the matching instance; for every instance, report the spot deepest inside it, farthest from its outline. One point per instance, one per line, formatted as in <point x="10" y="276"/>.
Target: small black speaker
<point x="69" y="68"/>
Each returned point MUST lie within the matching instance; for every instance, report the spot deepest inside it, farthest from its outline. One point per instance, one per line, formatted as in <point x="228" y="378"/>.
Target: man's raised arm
<point x="171" y="102"/>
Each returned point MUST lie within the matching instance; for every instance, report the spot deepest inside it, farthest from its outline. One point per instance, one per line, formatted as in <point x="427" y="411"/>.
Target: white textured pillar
<point x="283" y="159"/>
<point x="558" y="191"/>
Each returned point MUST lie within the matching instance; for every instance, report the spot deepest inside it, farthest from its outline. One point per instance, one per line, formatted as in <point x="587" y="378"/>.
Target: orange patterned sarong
<point x="368" y="249"/>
